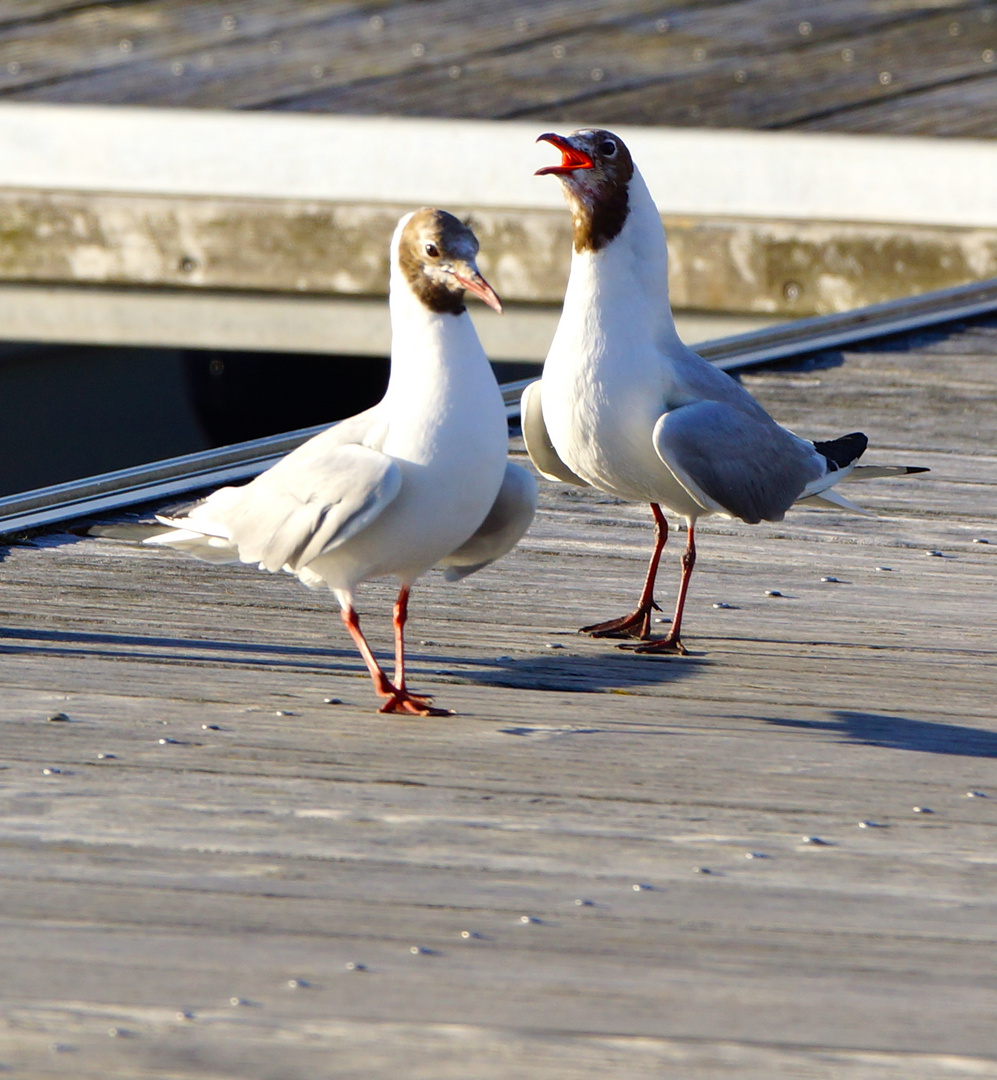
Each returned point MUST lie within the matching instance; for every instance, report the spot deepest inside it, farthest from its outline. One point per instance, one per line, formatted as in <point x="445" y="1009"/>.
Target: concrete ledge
<point x="347" y="326"/>
<point x="295" y="247"/>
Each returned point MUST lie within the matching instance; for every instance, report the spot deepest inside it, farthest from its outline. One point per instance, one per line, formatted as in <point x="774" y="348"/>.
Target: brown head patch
<point x="430" y="241"/>
<point x="599" y="196"/>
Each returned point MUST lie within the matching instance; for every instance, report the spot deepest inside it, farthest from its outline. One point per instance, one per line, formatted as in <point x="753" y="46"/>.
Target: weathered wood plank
<point x="825" y="80"/>
<point x="91" y="39"/>
<point x="22" y="11"/>
<point x="937" y="386"/>
<point x="754" y="63"/>
<point x="273" y="837"/>
<point x="642" y="70"/>
<point x="960" y="109"/>
<point x="183" y="54"/>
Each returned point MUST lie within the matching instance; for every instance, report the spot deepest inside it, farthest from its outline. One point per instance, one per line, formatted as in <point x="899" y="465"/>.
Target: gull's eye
<point x="432" y="251"/>
<point x="607" y="148"/>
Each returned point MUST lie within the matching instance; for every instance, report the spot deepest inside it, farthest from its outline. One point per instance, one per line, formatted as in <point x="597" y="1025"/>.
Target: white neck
<point x="440" y="376"/>
<point x="629" y="276"/>
<point x="427" y="344"/>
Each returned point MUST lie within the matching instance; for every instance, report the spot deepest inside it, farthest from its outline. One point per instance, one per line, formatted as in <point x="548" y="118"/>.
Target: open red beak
<point x="571" y="157"/>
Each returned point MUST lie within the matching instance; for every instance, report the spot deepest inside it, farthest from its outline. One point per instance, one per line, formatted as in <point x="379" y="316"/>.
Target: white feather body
<point x="617" y="369"/>
<point x="391" y="491"/>
<point x="448" y="436"/>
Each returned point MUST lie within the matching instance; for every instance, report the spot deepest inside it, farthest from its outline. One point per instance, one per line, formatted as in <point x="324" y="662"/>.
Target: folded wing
<point x="538" y="444"/>
<point x="733" y="463"/>
<point x="507" y="521"/>
<point x="310" y="502"/>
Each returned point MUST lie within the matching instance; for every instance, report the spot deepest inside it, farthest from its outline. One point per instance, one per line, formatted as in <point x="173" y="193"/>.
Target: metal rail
<point x="165" y="480"/>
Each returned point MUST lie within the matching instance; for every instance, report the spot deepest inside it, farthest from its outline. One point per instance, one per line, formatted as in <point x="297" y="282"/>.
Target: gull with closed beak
<point x="419" y="480"/>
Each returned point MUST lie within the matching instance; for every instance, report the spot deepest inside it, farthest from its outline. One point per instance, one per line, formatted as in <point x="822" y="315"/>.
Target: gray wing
<point x="310" y="502"/>
<point x="538" y="444"/>
<point x="734" y="463"/>
<point x="507" y="521"/>
<point x="696" y="379"/>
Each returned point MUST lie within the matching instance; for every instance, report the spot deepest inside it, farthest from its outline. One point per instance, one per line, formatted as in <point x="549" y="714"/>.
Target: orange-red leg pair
<point x="399" y="698"/>
<point x="638" y="623"/>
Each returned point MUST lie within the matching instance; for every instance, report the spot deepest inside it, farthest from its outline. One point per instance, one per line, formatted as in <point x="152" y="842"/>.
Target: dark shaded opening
<point x="72" y="411"/>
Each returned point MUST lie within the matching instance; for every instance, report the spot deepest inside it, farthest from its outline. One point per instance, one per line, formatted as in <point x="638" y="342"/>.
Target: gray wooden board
<point x="952" y="110"/>
<point x="753" y="63"/>
<point x="275" y="838"/>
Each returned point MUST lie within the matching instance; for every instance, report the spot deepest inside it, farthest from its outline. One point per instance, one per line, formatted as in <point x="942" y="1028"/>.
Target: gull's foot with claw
<point x="635" y="625"/>
<point x="401" y="701"/>
<point x="667" y="644"/>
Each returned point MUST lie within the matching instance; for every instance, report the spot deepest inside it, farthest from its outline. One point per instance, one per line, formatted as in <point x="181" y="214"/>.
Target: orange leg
<point x="382" y="685"/>
<point x="638" y="623"/>
<point x="399" y="699"/>
<point x="672" y="642"/>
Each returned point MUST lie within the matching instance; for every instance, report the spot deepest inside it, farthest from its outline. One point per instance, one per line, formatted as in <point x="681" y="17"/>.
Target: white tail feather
<point x="871" y="472"/>
<point x="833" y="500"/>
<point x="215" y="549"/>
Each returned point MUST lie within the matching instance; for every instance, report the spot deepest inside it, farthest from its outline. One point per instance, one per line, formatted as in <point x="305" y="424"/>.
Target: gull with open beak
<point x="627" y="408"/>
<point x="419" y="480"/>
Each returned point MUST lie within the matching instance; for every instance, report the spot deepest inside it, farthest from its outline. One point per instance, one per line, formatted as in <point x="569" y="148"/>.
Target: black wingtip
<point x="843" y="451"/>
<point x="917" y="468"/>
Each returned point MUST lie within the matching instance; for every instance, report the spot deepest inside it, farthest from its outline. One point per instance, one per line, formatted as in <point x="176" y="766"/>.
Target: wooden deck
<point x="605" y="865"/>
<point x="898" y="66"/>
<point x="771" y="859"/>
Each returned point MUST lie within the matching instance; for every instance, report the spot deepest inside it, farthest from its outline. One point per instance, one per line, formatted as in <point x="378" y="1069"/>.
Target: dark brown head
<point x="436" y="253"/>
<point x="595" y="170"/>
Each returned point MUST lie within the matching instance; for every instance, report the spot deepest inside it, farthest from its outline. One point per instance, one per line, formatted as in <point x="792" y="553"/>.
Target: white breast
<point x="607" y="378"/>
<point x="448" y="433"/>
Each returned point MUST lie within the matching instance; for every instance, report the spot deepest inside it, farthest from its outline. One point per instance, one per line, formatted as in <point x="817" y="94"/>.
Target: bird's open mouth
<point x="571" y="157"/>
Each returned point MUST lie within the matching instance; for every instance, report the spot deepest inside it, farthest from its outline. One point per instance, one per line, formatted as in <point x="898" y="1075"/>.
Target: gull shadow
<point x="612" y="671"/>
<point x="902" y="733"/>
<point x="615" y="672"/>
<point x="168" y="649"/>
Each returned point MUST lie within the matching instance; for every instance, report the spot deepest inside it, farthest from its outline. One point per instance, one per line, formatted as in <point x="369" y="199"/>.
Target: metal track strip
<point x="174" y="477"/>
